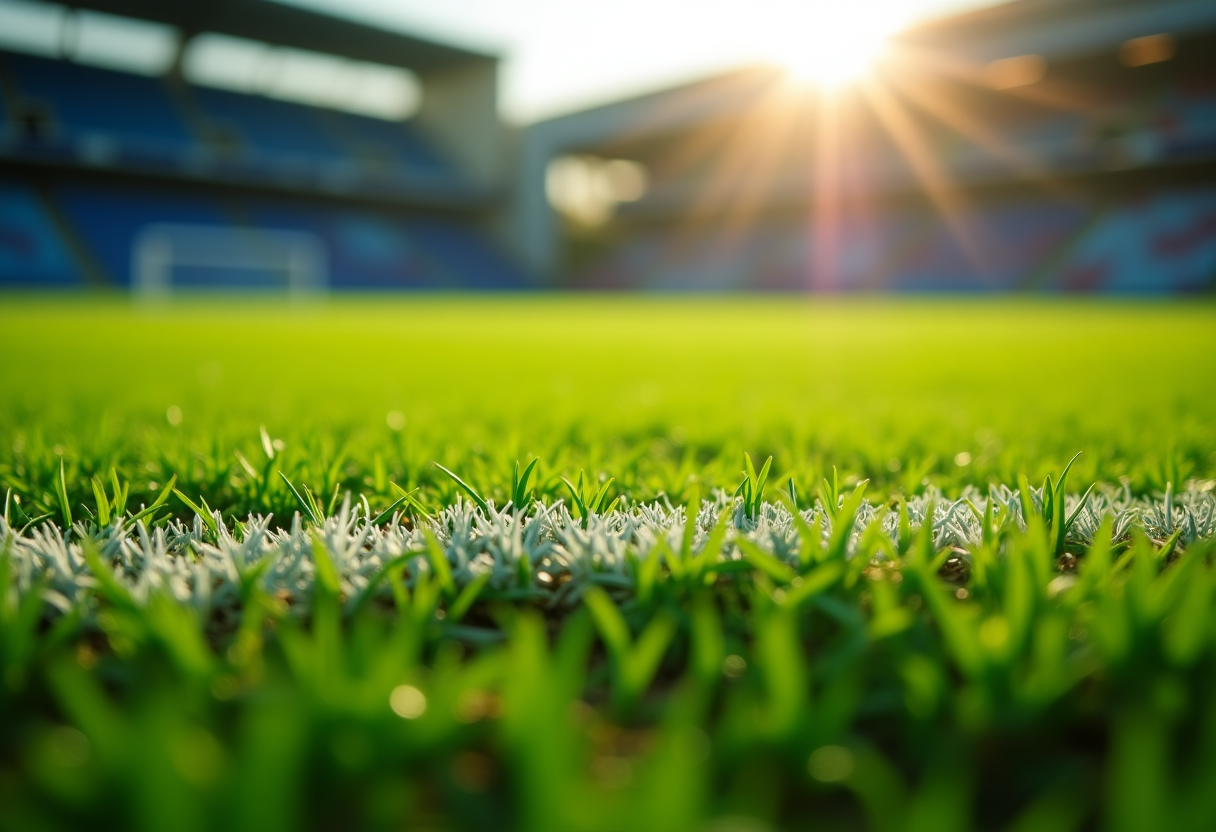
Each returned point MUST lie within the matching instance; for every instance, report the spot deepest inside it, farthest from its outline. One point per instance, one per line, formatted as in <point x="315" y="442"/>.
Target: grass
<point x="915" y="616"/>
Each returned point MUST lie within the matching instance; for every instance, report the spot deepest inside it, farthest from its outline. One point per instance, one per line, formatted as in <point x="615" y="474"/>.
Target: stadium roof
<point x="1059" y="28"/>
<point x="292" y="26"/>
<point x="667" y="109"/>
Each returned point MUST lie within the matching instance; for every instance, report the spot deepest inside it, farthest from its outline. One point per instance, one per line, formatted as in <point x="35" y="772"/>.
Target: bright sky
<point x="564" y="54"/>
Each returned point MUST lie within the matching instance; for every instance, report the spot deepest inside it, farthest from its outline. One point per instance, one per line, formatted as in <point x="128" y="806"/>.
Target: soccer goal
<point x="168" y="257"/>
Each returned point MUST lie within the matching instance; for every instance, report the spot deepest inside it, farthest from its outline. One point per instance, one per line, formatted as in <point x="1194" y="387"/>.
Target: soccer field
<point x="911" y="619"/>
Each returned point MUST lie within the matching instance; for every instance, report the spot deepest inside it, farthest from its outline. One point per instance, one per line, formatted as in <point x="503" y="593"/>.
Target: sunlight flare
<point x="831" y="47"/>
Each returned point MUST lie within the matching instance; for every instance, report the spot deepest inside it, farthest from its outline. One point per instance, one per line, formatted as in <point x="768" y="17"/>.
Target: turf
<point x="944" y="646"/>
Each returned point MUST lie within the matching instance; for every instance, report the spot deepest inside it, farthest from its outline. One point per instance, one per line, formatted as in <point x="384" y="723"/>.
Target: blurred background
<point x="907" y="146"/>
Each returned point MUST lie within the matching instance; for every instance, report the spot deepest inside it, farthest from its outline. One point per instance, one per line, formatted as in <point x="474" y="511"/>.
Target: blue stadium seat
<point x="394" y="142"/>
<point x="1006" y="242"/>
<point x="86" y="102"/>
<point x="367" y="250"/>
<point x="1187" y="121"/>
<point x="378" y="250"/>
<point x="32" y="252"/>
<point x="109" y="220"/>
<point x="1158" y="243"/>
<point x="468" y="254"/>
<point x="879" y="251"/>
<point x="272" y="130"/>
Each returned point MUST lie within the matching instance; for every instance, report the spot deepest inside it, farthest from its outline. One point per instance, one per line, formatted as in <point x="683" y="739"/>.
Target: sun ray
<point x="1050" y="93"/>
<point x="745" y="161"/>
<point x="933" y="178"/>
<point x="948" y="111"/>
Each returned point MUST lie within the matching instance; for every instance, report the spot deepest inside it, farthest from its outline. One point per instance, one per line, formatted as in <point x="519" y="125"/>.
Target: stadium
<point x="1061" y="147"/>
<point x="111" y="175"/>
<point x="820" y="439"/>
<point x="975" y="163"/>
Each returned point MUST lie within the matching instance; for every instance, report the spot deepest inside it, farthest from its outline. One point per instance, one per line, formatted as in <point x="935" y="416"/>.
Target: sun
<point x="834" y="46"/>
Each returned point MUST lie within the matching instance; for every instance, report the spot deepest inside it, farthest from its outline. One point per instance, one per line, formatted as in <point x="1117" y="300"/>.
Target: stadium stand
<point x="384" y="145"/>
<point x="371" y="250"/>
<point x="1162" y="241"/>
<point x="104" y="158"/>
<point x="991" y="247"/>
<point x="32" y="251"/>
<point x="98" y="114"/>
<point x="279" y="131"/>
<point x="1096" y="174"/>
<point x="1099" y="176"/>
<point x="109" y="218"/>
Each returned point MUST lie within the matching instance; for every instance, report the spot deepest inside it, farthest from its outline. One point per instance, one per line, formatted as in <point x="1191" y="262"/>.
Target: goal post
<point x="234" y="258"/>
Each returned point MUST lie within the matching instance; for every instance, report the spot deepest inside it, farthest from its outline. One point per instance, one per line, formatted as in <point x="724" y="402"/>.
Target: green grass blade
<point x="439" y="562"/>
<point x="761" y="480"/>
<point x="597" y="502"/>
<point x="815" y="582"/>
<point x="419" y="509"/>
<point x="160" y="500"/>
<point x="327" y="573"/>
<point x="388" y="512"/>
<point x="203" y="512"/>
<point x="691" y="510"/>
<point x="842" y="525"/>
<point x="121" y="490"/>
<point x="61" y="494"/>
<point x="708" y="641"/>
<point x="519" y="494"/>
<point x="647" y="654"/>
<point x="108" y="585"/>
<point x="468" y="489"/>
<point x="764" y="562"/>
<point x="1027" y="499"/>
<point x="464" y="601"/>
<point x="1072" y="518"/>
<point x="608" y="622"/>
<point x="103" y="502"/>
<point x="577" y="499"/>
<point x="308" y="506"/>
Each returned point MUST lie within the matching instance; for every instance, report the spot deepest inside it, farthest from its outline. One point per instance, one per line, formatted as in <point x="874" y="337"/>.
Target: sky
<point x="562" y="55"/>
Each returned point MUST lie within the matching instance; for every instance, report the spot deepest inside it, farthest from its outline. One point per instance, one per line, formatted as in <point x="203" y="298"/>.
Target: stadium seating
<point x="992" y="247"/>
<point x="1157" y="243"/>
<point x="901" y="250"/>
<point x="386" y="144"/>
<point x="467" y="255"/>
<point x="32" y="252"/>
<point x="100" y="115"/>
<point x="1187" y="120"/>
<point x="365" y="248"/>
<point x="108" y="219"/>
<point x="278" y="131"/>
<point x="70" y="115"/>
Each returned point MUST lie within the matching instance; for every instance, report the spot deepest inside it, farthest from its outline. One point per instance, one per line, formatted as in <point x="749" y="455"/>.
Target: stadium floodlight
<point x="588" y="189"/>
<point x="229" y="258"/>
<point x="1018" y="71"/>
<point x="1150" y="49"/>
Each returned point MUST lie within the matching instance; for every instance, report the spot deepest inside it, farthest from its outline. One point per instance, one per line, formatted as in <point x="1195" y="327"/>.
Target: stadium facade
<point x="1060" y="145"/>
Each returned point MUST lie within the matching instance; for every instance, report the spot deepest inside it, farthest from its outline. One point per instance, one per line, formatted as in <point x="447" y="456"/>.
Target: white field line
<point x="562" y="558"/>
